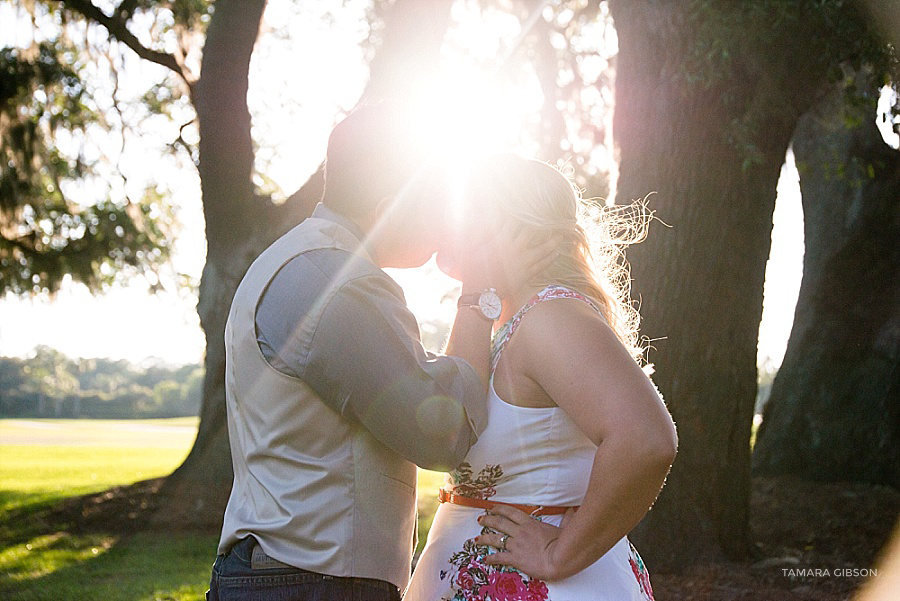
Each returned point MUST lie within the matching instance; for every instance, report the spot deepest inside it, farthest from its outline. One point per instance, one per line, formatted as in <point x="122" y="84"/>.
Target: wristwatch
<point x="488" y="303"/>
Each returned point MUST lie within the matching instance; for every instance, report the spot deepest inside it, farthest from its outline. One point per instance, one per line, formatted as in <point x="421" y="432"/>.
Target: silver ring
<point x="503" y="540"/>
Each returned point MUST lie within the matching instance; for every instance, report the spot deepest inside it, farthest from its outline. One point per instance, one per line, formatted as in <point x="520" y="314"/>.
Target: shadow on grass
<point x="15" y="500"/>
<point x="97" y="546"/>
<point x="147" y="566"/>
<point x="24" y="515"/>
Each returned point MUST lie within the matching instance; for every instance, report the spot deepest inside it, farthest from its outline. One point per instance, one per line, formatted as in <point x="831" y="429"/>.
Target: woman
<point x="573" y="421"/>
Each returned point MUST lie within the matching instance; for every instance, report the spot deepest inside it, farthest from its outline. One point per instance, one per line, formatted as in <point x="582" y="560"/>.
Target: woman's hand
<point x="570" y="352"/>
<point x="529" y="546"/>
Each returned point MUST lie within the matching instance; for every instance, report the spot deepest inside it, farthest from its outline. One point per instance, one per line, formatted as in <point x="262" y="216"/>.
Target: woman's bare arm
<point x="572" y="354"/>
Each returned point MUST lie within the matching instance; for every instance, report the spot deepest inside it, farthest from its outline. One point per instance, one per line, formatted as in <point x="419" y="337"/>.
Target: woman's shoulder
<point x="570" y="313"/>
<point x="552" y="291"/>
<point x="557" y="291"/>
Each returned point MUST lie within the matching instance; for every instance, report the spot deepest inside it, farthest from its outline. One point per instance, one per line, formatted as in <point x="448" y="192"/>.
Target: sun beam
<point x="465" y="113"/>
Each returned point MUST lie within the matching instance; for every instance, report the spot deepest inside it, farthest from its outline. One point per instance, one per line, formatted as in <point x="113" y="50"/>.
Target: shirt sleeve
<point x="366" y="361"/>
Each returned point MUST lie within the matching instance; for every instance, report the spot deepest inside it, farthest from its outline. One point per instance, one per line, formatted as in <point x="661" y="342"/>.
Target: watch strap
<point x="478" y="311"/>
<point x="468" y="300"/>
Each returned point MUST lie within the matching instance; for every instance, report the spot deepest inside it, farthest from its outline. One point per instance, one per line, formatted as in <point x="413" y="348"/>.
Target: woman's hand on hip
<point x="523" y="542"/>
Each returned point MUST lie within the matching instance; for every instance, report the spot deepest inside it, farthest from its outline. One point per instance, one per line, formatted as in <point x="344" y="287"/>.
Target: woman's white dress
<point x="530" y="456"/>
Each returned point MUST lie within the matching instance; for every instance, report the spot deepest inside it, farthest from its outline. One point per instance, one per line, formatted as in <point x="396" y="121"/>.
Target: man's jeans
<point x="234" y="578"/>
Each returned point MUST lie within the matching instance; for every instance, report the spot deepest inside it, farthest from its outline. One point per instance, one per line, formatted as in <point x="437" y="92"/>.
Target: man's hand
<point x="529" y="546"/>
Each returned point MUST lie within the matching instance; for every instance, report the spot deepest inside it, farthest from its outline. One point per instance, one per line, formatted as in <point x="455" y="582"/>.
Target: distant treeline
<point x="50" y="384"/>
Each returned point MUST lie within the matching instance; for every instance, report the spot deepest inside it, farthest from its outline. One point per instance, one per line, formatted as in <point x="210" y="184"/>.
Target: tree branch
<point x="118" y="29"/>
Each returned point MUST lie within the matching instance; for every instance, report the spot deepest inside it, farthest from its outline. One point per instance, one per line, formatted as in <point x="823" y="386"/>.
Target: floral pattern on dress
<point x="640" y="572"/>
<point x="483" y="486"/>
<point x="473" y="580"/>
<point x="470" y="577"/>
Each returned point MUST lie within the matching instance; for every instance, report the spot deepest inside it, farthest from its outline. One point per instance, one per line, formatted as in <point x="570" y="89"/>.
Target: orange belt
<point x="532" y="510"/>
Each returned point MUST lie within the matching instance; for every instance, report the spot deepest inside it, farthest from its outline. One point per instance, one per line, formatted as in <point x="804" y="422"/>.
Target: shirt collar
<point x="323" y="212"/>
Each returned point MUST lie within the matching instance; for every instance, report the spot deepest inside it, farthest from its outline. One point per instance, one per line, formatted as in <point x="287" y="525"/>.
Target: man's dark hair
<point x="372" y="153"/>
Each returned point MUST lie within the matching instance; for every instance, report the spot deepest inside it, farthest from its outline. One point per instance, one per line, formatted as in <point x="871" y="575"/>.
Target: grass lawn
<point x="142" y="567"/>
<point x="45" y="461"/>
<point x="42" y="461"/>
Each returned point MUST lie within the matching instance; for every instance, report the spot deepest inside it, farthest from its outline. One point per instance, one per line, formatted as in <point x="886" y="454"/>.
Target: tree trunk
<point x="834" y="412"/>
<point x="197" y="491"/>
<point x="699" y="281"/>
<point x="240" y="224"/>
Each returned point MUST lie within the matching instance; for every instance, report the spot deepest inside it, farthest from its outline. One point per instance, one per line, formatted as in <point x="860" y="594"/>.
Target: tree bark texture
<point x="240" y="224"/>
<point x="699" y="279"/>
<point x="834" y="412"/>
<point x="197" y="491"/>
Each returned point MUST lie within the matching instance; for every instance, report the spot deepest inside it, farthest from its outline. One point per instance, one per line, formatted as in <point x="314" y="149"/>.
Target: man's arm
<point x="366" y="361"/>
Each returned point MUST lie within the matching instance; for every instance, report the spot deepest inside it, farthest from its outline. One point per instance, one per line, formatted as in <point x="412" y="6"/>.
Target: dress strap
<point x="506" y="331"/>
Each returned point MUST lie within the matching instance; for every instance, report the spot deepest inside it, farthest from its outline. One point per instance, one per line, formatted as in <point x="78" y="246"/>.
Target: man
<point x="331" y="398"/>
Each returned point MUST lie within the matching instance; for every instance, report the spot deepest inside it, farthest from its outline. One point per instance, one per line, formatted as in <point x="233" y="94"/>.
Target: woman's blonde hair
<point x="591" y="236"/>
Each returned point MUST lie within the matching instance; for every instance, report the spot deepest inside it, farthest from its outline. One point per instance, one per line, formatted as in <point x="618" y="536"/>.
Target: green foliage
<point x="795" y="48"/>
<point x="63" y="110"/>
<point x="44" y="234"/>
<point x="815" y="34"/>
<point x="185" y="15"/>
<point x="427" y="503"/>
<point x="189" y="14"/>
<point x="51" y="385"/>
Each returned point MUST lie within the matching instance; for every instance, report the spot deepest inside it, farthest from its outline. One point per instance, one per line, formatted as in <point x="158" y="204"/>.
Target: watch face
<point x="490" y="304"/>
